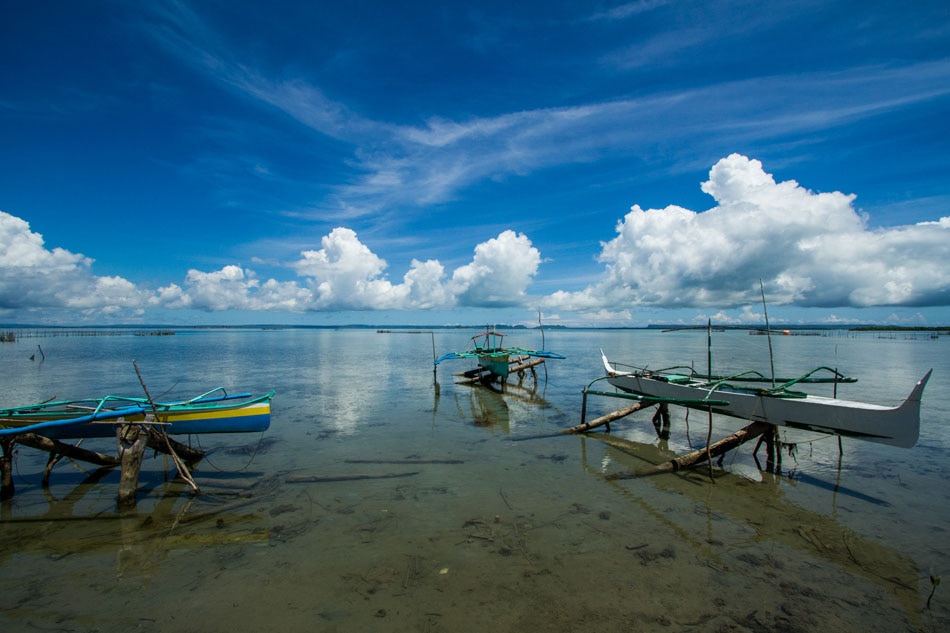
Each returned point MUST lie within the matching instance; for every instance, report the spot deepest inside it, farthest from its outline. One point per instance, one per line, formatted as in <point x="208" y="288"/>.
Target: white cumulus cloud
<point x="500" y="272"/>
<point x="33" y="276"/>
<point x="345" y="274"/>
<point x="810" y="249"/>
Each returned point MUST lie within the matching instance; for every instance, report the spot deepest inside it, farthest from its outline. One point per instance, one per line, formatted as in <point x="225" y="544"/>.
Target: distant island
<point x="12" y="332"/>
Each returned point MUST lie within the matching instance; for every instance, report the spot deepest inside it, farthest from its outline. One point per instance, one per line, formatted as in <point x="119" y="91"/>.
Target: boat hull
<point x="896" y="426"/>
<point x="497" y="363"/>
<point x="245" y="417"/>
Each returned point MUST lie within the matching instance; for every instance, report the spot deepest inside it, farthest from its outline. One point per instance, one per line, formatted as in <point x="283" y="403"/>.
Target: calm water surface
<point x="482" y="532"/>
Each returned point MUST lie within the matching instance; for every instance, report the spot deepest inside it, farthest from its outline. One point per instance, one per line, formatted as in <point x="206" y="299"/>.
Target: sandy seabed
<point x="456" y="547"/>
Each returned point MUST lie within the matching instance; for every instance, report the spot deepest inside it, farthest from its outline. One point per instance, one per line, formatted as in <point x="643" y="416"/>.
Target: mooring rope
<point x="206" y="458"/>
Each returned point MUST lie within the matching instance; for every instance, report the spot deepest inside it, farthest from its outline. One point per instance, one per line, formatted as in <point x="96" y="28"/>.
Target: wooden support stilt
<point x="534" y="362"/>
<point x="66" y="450"/>
<point x="131" y="440"/>
<point x="773" y="449"/>
<point x="584" y="427"/>
<point x="696" y="457"/>
<point x="54" y="458"/>
<point x="7" y="489"/>
<point x="58" y="450"/>
<point x="661" y="421"/>
<point x="190" y="456"/>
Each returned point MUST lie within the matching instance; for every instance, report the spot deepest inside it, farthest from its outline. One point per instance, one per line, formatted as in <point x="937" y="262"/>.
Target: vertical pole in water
<point x="7" y="488"/>
<point x="543" y="346"/>
<point x="768" y="332"/>
<point x="709" y="373"/>
<point x="435" y="368"/>
<point x="541" y="327"/>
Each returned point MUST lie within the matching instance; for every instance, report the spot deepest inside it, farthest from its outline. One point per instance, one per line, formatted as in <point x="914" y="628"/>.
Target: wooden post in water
<point x="131" y="440"/>
<point x="661" y="421"/>
<point x="773" y="449"/>
<point x="7" y="489"/>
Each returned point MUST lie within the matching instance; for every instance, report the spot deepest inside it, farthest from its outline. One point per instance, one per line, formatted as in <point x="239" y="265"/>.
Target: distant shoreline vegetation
<point x="883" y="328"/>
<point x="12" y="333"/>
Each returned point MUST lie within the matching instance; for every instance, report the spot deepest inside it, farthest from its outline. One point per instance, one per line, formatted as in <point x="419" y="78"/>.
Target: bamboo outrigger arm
<point x="644" y="401"/>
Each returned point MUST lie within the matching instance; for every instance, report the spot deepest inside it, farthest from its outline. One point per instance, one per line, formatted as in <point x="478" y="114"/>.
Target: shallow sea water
<point x="454" y="522"/>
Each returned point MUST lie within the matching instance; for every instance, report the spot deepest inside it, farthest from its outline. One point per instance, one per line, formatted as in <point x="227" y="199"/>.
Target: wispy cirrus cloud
<point x="395" y="165"/>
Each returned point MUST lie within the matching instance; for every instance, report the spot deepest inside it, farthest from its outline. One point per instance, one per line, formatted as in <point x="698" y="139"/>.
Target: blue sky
<point x="602" y="163"/>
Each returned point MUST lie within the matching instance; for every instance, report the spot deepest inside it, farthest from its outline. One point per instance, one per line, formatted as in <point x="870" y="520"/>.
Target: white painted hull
<point x="896" y="426"/>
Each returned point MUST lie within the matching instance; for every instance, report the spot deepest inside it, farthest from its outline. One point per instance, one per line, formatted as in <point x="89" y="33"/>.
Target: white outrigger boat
<point x="779" y="405"/>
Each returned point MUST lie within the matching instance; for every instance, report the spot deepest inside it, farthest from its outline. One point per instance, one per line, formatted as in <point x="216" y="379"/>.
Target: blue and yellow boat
<point x="215" y="411"/>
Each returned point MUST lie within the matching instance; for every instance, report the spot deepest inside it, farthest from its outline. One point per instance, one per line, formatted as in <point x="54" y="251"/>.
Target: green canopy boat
<point x="492" y="356"/>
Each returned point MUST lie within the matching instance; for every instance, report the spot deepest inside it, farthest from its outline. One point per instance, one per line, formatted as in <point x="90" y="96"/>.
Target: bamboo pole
<point x="531" y="363"/>
<point x="741" y="436"/>
<point x="584" y="427"/>
<point x="179" y="464"/>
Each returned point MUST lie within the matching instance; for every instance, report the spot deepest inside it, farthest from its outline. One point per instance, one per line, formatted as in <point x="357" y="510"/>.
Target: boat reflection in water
<point x="779" y="532"/>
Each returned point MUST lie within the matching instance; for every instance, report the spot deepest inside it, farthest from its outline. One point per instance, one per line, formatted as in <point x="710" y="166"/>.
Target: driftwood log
<point x="741" y="436"/>
<point x="403" y="461"/>
<point x="318" y="479"/>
